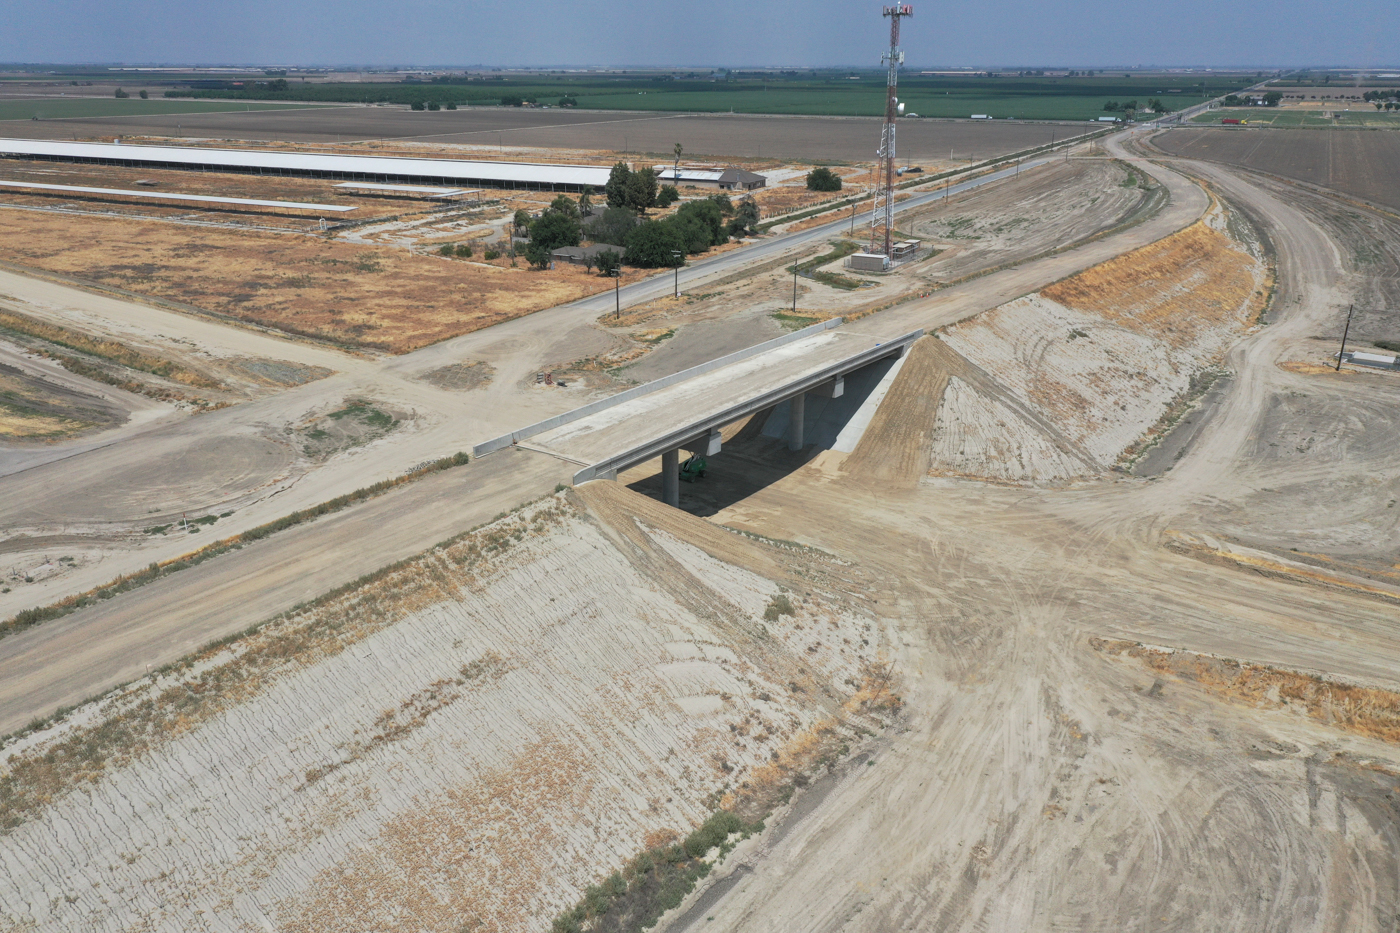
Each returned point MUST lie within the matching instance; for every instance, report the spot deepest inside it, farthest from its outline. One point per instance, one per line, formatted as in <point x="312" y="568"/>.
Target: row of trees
<point x="1381" y="96"/>
<point x="649" y="244"/>
<point x="1270" y="99"/>
<point x="1153" y="104"/>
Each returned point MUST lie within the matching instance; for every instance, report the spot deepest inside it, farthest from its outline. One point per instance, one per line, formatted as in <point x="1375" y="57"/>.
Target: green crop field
<point x="1268" y="116"/>
<point x="841" y="93"/>
<point x="57" y="108"/>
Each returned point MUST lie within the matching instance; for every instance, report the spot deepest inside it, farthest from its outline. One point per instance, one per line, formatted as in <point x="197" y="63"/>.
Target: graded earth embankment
<point x="466" y="739"/>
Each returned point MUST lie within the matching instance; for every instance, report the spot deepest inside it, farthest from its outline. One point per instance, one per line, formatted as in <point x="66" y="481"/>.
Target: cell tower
<point x="882" y="223"/>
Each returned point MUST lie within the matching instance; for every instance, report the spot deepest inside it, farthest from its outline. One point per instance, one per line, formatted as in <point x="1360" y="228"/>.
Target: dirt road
<point x="67" y="660"/>
<point x="1042" y="780"/>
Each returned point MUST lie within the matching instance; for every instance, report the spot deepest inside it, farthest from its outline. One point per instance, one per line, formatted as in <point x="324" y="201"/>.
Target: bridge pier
<point x="671" y="478"/>
<point x="796" y="416"/>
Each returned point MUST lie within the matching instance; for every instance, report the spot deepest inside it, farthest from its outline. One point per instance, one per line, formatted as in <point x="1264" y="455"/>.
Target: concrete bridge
<point x="686" y="411"/>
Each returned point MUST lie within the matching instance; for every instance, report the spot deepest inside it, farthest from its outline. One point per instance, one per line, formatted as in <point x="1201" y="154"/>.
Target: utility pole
<point x="617" y="292"/>
<point x="678" y="259"/>
<point x="1345" y="331"/>
<point x="794" y="286"/>
<point x="853" y="218"/>
<point x="676" y="172"/>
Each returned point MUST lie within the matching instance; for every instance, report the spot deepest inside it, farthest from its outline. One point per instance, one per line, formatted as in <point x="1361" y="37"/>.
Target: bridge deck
<point x="636" y="430"/>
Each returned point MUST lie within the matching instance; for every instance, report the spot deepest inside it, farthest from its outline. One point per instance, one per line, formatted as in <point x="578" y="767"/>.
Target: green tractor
<point x="693" y="468"/>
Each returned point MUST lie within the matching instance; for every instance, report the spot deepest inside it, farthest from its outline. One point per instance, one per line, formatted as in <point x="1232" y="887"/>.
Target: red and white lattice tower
<point x="882" y="223"/>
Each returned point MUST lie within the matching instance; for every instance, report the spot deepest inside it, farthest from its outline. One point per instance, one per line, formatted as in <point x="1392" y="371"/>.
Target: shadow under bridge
<point x="800" y="381"/>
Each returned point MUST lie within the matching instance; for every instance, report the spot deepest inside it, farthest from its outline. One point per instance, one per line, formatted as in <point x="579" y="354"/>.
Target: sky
<point x="720" y="33"/>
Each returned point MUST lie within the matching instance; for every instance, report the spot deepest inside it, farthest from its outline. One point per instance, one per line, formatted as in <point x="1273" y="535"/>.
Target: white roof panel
<point x="172" y="196"/>
<point x="528" y="173"/>
<point x="412" y="189"/>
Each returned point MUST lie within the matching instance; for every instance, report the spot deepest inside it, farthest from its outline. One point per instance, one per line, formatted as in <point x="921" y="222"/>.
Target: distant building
<point x="726" y="179"/>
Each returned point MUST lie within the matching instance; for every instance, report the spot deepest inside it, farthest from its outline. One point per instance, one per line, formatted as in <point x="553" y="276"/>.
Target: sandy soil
<point x="1128" y="703"/>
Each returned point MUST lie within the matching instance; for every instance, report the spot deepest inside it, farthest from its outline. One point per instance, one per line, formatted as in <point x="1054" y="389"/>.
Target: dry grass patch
<point x="1172" y="289"/>
<point x="367" y="297"/>
<point x="1365" y="711"/>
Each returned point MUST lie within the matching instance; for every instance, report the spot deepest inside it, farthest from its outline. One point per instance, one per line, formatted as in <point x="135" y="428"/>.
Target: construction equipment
<point x="693" y="468"/>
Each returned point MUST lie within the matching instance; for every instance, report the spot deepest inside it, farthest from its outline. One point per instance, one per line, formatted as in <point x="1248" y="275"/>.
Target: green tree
<point x="721" y="200"/>
<point x="641" y="190"/>
<point x="538" y="255"/>
<point x="616" y="188"/>
<point x="522" y="221"/>
<point x="121" y="94"/>
<point x="451" y="105"/>
<point x="613" y="226"/>
<point x="707" y="214"/>
<point x="434" y="105"/>
<point x="652" y="245"/>
<point x="445" y="249"/>
<point x="1156" y="106"/>
<point x="1111" y="106"/>
<point x="568" y="101"/>
<point x="667" y="196"/>
<point x="563" y="204"/>
<point x="417" y="105"/>
<point x="512" y="100"/>
<point x="745" y="222"/>
<point x="585" y="202"/>
<point x="553" y="230"/>
<point x="143" y="94"/>
<point x="1272" y="98"/>
<point x="464" y="251"/>
<point x="609" y="261"/>
<point x="822" y="178"/>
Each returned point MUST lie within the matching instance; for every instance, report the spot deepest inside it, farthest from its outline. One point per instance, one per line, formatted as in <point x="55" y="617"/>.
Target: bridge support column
<point x="796" y="416"/>
<point x="671" y="478"/>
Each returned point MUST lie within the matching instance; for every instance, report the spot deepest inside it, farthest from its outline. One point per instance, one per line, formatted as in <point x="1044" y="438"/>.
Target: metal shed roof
<point x="172" y="196"/>
<point x="459" y="170"/>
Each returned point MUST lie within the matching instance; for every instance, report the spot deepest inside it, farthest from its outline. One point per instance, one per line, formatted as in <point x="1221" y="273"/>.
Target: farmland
<point x="1288" y="116"/>
<point x="844" y="93"/>
<point x="1355" y="162"/>
<point x="70" y="108"/>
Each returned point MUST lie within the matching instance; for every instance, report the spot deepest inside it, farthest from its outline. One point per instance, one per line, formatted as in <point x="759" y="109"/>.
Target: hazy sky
<point x="720" y="32"/>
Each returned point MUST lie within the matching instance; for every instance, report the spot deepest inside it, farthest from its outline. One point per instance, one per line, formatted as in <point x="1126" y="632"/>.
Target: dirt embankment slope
<point x="1076" y="377"/>
<point x="467" y="739"/>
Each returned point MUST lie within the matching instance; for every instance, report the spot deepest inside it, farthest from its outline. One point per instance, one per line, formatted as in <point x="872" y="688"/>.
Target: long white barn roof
<point x="509" y="173"/>
<point x="172" y="196"/>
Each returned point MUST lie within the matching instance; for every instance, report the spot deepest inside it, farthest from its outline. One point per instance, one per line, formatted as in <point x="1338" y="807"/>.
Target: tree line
<point x="640" y="240"/>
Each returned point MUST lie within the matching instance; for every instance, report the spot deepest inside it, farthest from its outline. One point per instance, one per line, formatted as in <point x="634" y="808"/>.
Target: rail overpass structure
<point x="686" y="411"/>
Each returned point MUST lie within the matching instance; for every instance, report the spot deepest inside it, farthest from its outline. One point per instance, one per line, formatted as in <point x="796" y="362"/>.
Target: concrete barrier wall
<point x="539" y="427"/>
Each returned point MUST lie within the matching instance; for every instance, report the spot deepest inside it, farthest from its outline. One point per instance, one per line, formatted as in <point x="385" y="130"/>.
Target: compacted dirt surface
<point x="972" y="673"/>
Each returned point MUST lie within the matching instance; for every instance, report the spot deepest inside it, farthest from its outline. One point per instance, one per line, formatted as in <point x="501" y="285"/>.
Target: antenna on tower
<point x="882" y="223"/>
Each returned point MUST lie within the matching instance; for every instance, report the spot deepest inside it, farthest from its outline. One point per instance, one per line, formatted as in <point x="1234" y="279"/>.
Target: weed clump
<point x="778" y="607"/>
<point x="655" y="881"/>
